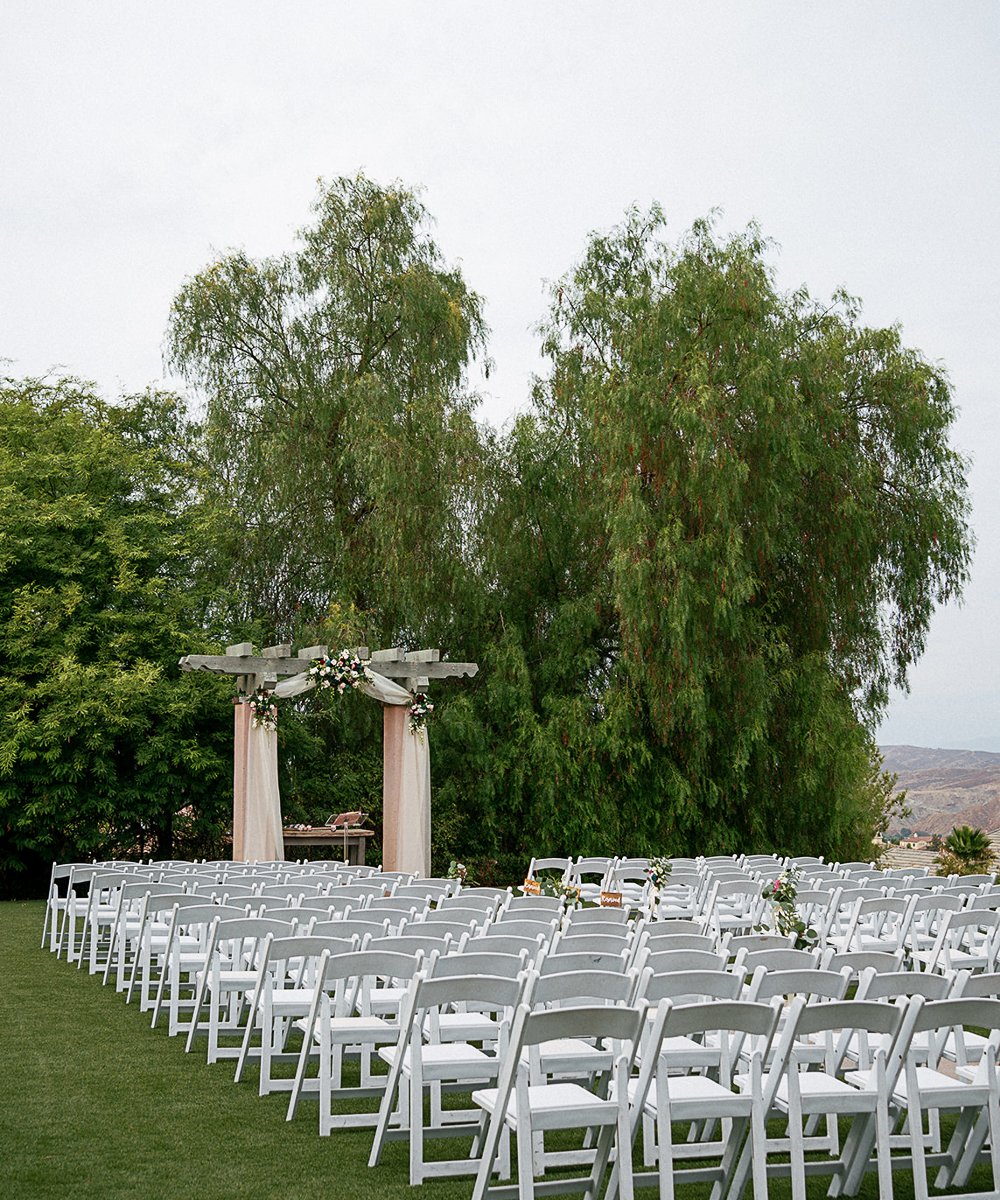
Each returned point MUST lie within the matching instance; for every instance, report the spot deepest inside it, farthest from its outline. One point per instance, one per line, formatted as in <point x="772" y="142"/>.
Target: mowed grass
<point x="95" y="1105"/>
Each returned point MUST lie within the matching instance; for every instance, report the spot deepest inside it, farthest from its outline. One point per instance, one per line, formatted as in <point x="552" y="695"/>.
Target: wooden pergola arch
<point x="412" y="670"/>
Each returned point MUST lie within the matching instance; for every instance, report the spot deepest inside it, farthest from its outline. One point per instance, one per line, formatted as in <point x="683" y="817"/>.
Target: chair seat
<point x="554" y="1106"/>
<point x="230" y="981"/>
<point x="571" y="1054"/>
<point x="448" y="1060"/>
<point x="695" y="1096"/>
<point x="355" y="1029"/>
<point x="466" y="1027"/>
<point x="817" y="1089"/>
<point x="688" y="1053"/>
<point x="947" y="1090"/>
<point x="388" y="999"/>
<point x="285" y="1001"/>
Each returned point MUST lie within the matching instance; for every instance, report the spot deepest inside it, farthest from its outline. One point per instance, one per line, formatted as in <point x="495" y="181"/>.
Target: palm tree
<point x="966" y="851"/>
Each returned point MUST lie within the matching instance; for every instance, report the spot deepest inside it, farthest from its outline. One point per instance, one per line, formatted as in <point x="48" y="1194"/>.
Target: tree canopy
<point x="103" y="565"/>
<point x="338" y="418"/>
<point x="691" y="570"/>
<point x="780" y="511"/>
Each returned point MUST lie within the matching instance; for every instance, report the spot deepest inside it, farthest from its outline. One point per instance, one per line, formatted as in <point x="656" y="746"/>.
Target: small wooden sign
<point x="531" y="887"/>
<point x="611" y="899"/>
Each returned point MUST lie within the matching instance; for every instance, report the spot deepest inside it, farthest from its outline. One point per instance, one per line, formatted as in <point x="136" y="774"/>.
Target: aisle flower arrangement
<point x="569" y="892"/>
<point x="659" y="871"/>
<point x="781" y="894"/>
<point x="458" y="870"/>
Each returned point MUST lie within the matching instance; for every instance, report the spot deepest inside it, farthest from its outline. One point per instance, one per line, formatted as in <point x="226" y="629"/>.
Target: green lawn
<point x="95" y="1104"/>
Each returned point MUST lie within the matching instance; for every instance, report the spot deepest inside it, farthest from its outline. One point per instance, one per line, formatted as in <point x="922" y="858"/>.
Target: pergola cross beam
<point x="277" y="662"/>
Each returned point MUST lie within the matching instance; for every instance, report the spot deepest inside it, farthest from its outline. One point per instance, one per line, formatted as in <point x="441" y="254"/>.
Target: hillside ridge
<point x="945" y="788"/>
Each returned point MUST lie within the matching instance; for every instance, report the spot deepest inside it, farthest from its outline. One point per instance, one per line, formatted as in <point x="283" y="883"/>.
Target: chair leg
<point x="489" y="1144"/>
<point x="623" y="1147"/>
<point x="795" y="1136"/>
<point x="388" y="1107"/>
<point x="664" y="1138"/>
<point x="966" y="1141"/>
<point x="199" y="1000"/>
<point x="416" y="1121"/>
<point x="883" y="1149"/>
<point x="525" y="1159"/>
<point x="248" y="1035"/>
<point x="918" y="1160"/>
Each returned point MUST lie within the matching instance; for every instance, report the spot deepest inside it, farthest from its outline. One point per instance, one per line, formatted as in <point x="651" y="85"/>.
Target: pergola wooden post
<point x="413" y="670"/>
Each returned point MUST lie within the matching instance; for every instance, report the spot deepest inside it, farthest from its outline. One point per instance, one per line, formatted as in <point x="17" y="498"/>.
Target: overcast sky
<point x="138" y="140"/>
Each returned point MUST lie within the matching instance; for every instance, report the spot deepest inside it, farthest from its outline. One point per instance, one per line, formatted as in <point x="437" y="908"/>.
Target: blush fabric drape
<point x="406" y="786"/>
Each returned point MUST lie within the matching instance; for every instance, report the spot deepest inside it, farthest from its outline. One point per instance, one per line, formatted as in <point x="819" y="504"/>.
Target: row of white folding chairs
<point x="591" y="933"/>
<point x="595" y="951"/>
<point x="75" y="912"/>
<point x="218" y="913"/>
<point x="69" y="898"/>
<point x="141" y="916"/>
<point x="857" y="918"/>
<point x="338" y="1036"/>
<point x="113" y="910"/>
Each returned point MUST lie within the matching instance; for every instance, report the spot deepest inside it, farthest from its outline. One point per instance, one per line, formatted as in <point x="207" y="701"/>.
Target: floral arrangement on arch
<point x="781" y="894"/>
<point x="343" y="672"/>
<point x="420" y="709"/>
<point x="263" y="709"/>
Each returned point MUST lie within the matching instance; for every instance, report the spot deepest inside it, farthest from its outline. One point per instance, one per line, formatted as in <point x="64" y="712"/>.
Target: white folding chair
<point x="226" y="977"/>
<point x="148" y="939"/>
<point x="860" y="960"/>
<point x="528" y="1103"/>
<point x="734" y="905"/>
<point x="590" y="875"/>
<point x="662" y="961"/>
<point x="428" y="1056"/>
<point x="556" y="867"/>
<point x="669" y="1092"/>
<point x="927" y="918"/>
<point x="936" y="1086"/>
<point x="967" y="941"/>
<point x="73" y="907"/>
<point x="881" y="924"/>
<point x="345" y="1012"/>
<point x="56" y="900"/>
<point x="596" y="920"/>
<point x="126" y="926"/>
<point x="734" y="944"/>
<point x="785" y="959"/>
<point x="807" y="1088"/>
<point x="521" y="927"/>
<point x="283" y="992"/>
<point x="183" y="955"/>
<point x="103" y="900"/>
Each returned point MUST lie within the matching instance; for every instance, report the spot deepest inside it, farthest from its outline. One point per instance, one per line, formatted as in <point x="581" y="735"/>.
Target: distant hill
<point x="945" y="788"/>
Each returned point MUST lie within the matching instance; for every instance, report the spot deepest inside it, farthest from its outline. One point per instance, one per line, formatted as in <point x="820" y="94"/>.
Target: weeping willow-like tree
<point x="338" y="414"/>
<point x="691" y="572"/>
<point x="778" y="511"/>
